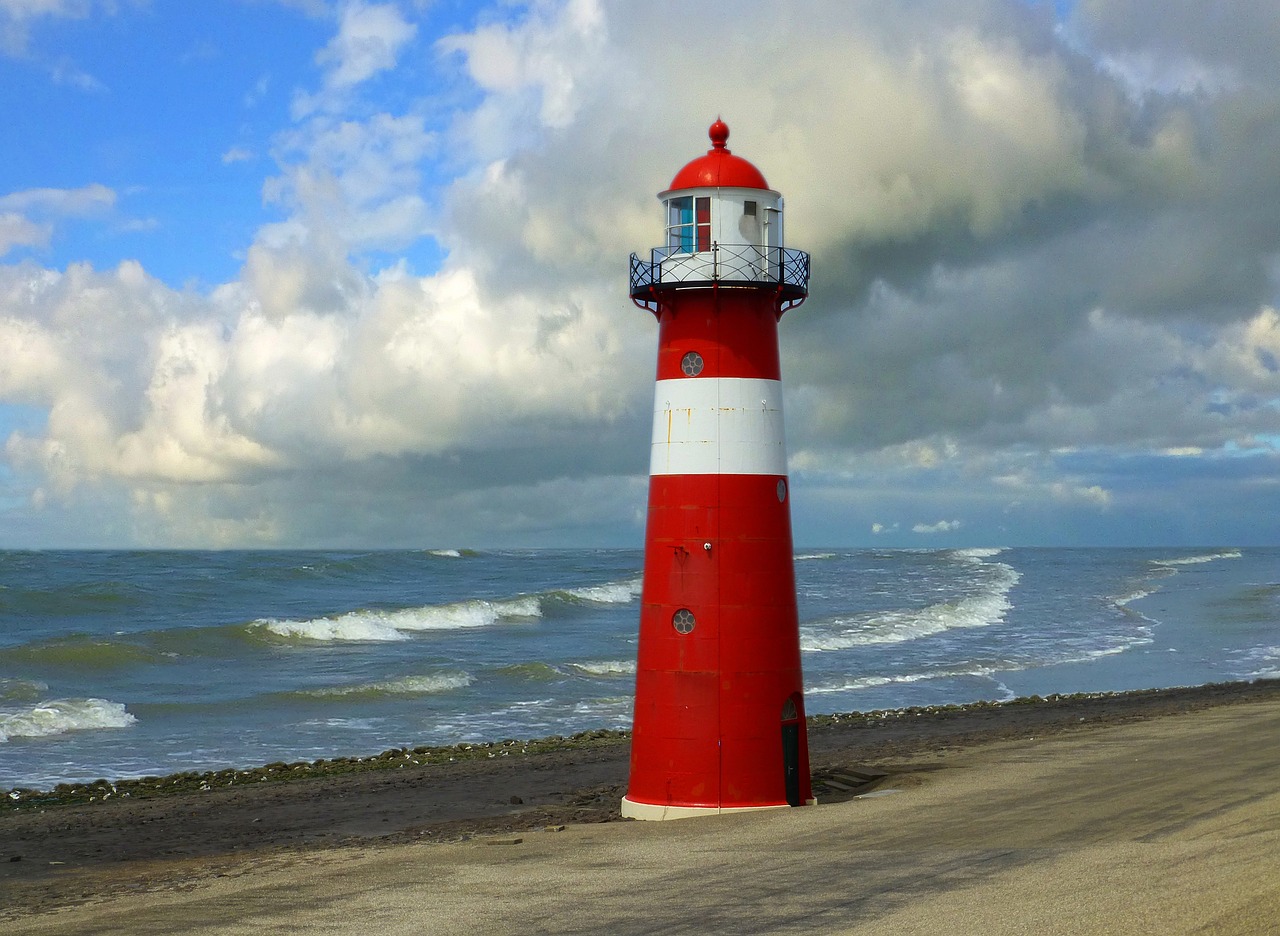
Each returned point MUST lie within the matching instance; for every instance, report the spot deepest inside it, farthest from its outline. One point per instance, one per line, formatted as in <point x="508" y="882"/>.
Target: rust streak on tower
<point x="719" y="706"/>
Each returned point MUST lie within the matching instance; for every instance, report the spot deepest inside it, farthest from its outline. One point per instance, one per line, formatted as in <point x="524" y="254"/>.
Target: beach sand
<point x="1130" y="814"/>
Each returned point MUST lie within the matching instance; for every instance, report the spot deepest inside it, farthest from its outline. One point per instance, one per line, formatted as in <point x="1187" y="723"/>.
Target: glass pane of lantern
<point x="680" y="224"/>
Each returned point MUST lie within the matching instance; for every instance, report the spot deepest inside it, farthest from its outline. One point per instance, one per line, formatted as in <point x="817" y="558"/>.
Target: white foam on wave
<point x="607" y="667"/>
<point x="422" y="685"/>
<point x="610" y="592"/>
<point x="445" y="553"/>
<point x="374" y="625"/>
<point x="426" y="684"/>
<point x="1264" y="660"/>
<point x="872" y="682"/>
<point x="978" y="553"/>
<point x="888" y="627"/>
<point x="528" y="718"/>
<point x="1099" y="652"/>
<point x="59" y="716"/>
<point x="861" y="682"/>
<point x="362" y="626"/>
<point x="1125" y="600"/>
<point x="1198" y="560"/>
<point x="810" y="557"/>
<point x="615" y="711"/>
<point x="344" y="724"/>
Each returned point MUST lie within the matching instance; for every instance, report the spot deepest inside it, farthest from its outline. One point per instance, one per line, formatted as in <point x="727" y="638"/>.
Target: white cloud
<point x="370" y="37"/>
<point x="17" y="231"/>
<point x="28" y="218"/>
<point x="29" y="8"/>
<point x="369" y="42"/>
<point x="16" y="17"/>
<point x="63" y="202"/>
<point x="355" y="181"/>
<point x="942" y="526"/>
<point x="551" y="53"/>
<point x="299" y="369"/>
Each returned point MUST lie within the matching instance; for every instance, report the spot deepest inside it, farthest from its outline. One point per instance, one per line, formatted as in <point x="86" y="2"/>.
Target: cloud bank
<point x="1045" y="262"/>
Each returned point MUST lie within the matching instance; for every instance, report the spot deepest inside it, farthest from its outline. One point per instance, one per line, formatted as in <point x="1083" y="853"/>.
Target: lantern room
<point x="723" y="225"/>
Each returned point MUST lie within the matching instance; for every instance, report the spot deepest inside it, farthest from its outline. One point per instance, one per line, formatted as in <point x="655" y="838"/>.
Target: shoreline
<point x="191" y="781"/>
<point x="59" y="853"/>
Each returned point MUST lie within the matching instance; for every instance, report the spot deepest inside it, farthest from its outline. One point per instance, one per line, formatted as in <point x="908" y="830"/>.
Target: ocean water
<point x="125" y="664"/>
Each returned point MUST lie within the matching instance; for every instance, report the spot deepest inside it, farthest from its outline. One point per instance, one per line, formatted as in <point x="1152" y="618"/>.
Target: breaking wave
<point x="1136" y="595"/>
<point x="1199" y="560"/>
<point x="976" y="554"/>
<point x="888" y="627"/>
<point x="608" y="593"/>
<point x="607" y="668"/>
<point x="872" y="682"/>
<point x="428" y="684"/>
<point x="373" y="625"/>
<point x="376" y="625"/>
<point x="59" y="716"/>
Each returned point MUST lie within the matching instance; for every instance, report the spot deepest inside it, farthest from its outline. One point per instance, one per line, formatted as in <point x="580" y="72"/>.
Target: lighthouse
<point x="719" y="706"/>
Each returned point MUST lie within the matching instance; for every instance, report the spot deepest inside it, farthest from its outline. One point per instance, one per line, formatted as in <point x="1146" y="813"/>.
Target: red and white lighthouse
<point x="719" y="707"/>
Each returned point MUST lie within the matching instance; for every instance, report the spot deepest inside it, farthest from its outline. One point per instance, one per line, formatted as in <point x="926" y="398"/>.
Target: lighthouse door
<point x="791" y="751"/>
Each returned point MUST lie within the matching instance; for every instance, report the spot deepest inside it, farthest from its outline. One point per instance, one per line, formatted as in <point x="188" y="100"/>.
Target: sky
<point x="353" y="274"/>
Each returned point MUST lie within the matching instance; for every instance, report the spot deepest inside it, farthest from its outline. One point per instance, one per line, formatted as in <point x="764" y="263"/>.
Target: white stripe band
<point x="724" y="425"/>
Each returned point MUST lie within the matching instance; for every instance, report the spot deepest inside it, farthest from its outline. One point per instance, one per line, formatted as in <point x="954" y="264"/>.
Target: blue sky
<point x="176" y="108"/>
<point x="352" y="273"/>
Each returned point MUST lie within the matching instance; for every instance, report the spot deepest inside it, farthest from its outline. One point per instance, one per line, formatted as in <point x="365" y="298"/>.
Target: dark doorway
<point x="791" y="751"/>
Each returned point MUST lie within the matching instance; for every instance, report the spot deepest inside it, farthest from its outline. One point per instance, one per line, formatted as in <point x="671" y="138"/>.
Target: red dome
<point x="719" y="167"/>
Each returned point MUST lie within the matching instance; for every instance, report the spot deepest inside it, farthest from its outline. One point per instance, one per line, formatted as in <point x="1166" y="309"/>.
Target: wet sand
<point x="1138" y="813"/>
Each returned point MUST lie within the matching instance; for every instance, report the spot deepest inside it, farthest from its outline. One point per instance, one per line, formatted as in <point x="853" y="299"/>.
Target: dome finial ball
<point x="719" y="134"/>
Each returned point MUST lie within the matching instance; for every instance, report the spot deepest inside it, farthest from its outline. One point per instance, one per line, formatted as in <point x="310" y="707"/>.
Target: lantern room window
<point x="702" y="218"/>
<point x="689" y="224"/>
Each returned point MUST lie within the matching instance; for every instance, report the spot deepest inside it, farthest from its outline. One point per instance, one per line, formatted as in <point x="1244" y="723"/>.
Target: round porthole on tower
<point x="691" y="364"/>
<point x="683" y="621"/>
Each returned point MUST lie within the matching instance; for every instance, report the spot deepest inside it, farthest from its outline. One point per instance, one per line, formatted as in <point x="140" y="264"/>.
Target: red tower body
<point x="719" y="706"/>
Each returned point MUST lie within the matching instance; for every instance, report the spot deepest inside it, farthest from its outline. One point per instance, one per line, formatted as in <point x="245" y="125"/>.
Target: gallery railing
<point x="724" y="264"/>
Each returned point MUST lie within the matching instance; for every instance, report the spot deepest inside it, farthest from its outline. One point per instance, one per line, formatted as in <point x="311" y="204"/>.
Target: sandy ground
<point x="1128" y="815"/>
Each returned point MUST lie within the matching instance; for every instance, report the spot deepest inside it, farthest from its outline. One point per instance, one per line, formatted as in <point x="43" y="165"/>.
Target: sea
<point x="128" y="664"/>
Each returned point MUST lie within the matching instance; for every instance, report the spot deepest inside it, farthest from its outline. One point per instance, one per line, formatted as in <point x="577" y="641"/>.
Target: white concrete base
<point x="652" y="811"/>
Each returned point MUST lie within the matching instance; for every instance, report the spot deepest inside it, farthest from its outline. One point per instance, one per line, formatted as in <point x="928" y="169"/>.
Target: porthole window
<point x="682" y="621"/>
<point x="782" y="490"/>
<point x="691" y="364"/>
